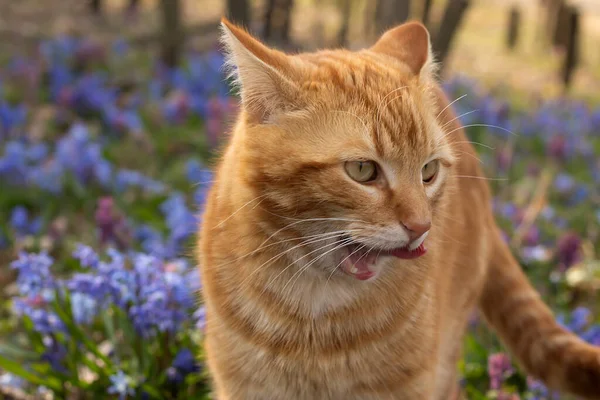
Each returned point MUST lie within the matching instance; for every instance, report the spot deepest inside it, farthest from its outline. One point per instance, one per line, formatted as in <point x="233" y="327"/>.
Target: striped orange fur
<point x="288" y="317"/>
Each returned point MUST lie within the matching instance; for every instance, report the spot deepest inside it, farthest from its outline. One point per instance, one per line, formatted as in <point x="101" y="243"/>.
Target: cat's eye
<point x="429" y="171"/>
<point x="361" y="171"/>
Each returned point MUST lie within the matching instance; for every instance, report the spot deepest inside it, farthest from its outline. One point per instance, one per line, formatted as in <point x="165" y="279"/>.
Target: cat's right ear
<point x="266" y="77"/>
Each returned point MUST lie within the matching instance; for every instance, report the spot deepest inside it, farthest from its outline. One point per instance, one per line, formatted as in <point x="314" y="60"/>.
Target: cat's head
<point x="343" y="147"/>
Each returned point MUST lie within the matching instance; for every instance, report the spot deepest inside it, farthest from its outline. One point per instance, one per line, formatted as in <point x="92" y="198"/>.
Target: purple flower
<point x="568" y="250"/>
<point x="557" y="147"/>
<point x="111" y="224"/>
<point x="532" y="236"/>
<point x="503" y="158"/>
<point x="499" y="368"/>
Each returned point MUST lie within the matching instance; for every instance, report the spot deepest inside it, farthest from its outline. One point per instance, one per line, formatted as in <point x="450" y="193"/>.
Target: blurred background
<point x="112" y="112"/>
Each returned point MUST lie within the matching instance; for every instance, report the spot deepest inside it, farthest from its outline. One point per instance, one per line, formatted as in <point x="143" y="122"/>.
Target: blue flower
<point x="121" y="385"/>
<point x="37" y="152"/>
<point x="55" y="354"/>
<point x="86" y="256"/>
<point x="563" y="183"/>
<point x="3" y="241"/>
<point x="592" y="335"/>
<point x="8" y="380"/>
<point x="120" y="47"/>
<point x="19" y="219"/>
<point x="84" y="307"/>
<point x="580" y="319"/>
<point x="33" y="272"/>
<point x="580" y="195"/>
<point x="44" y="321"/>
<point x="183" y="364"/>
<point x="90" y="284"/>
<point x="200" y="317"/>
<point x="539" y="391"/>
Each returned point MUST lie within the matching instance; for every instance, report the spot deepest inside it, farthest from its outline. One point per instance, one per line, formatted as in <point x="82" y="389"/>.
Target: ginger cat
<point x="349" y="235"/>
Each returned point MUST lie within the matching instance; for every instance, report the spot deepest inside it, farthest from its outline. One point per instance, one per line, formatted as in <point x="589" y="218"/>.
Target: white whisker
<point x="471" y="155"/>
<point x="460" y="116"/>
<point x="302" y="244"/>
<point x="480" y="177"/>
<point x="325" y="235"/>
<point x="477" y="143"/>
<point x="480" y="125"/>
<point x="445" y="108"/>
<point x="239" y="209"/>
<point x="339" y="245"/>
<point x="336" y="243"/>
<point x="203" y="183"/>
<point x="341" y="262"/>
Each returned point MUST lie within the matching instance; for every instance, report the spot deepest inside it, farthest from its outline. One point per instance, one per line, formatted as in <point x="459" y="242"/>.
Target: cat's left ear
<point x="267" y="78"/>
<point x="409" y="43"/>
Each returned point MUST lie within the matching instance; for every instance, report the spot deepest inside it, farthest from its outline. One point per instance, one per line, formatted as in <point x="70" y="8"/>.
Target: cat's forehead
<point x="352" y="72"/>
<point x="386" y="99"/>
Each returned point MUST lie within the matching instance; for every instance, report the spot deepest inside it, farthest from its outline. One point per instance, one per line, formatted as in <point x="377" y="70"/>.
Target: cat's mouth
<point x="359" y="261"/>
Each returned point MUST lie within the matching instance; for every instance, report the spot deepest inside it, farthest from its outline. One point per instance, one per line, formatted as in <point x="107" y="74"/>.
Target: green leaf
<point x="151" y="391"/>
<point x="109" y="326"/>
<point x="17" y="369"/>
<point x="16" y="353"/>
<point x="476" y="352"/>
<point x="78" y="334"/>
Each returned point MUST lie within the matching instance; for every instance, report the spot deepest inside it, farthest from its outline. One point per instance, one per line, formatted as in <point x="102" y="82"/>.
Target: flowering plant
<point x="128" y="323"/>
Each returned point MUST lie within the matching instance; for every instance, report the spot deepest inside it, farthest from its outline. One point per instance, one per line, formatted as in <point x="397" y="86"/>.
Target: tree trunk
<point x="389" y="13"/>
<point x="426" y="11"/>
<point x="288" y="6"/>
<point x="96" y="6"/>
<point x="455" y="10"/>
<point x="572" y="46"/>
<point x="172" y="40"/>
<point x="238" y="11"/>
<point x="560" y="35"/>
<point x="553" y="10"/>
<point x="346" y="13"/>
<point x="514" y="21"/>
<point x="267" y="26"/>
<point x="278" y="18"/>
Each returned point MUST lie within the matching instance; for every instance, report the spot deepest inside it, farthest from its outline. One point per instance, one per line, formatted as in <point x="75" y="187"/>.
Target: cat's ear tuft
<point x="266" y="77"/>
<point x="408" y="43"/>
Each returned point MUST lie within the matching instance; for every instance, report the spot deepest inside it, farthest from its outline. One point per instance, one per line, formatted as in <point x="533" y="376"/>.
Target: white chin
<point x="419" y="241"/>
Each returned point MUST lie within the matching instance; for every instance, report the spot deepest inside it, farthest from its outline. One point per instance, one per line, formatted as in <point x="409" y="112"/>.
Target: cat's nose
<point x="416" y="229"/>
